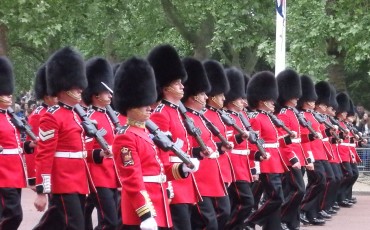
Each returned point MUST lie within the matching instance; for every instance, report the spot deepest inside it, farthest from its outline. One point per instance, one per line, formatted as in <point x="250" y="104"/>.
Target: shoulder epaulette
<point x="123" y="129"/>
<point x="283" y="110"/>
<point x="252" y="114"/>
<point x="159" y="107"/>
<point x="38" y="109"/>
<point x="53" y="109"/>
<point x="90" y="112"/>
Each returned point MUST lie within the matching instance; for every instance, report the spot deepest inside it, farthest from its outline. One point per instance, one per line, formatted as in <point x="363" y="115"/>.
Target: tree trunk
<point x="3" y="40"/>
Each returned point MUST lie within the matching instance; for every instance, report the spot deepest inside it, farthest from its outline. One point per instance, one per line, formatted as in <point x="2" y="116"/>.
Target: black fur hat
<point x="65" y="70"/>
<point x="40" y="83"/>
<point x="115" y="67"/>
<point x="98" y="70"/>
<point x="247" y="78"/>
<point x="289" y="85"/>
<point x="197" y="81"/>
<point x="6" y="76"/>
<point x="237" y="84"/>
<point x="134" y="85"/>
<point x="351" y="111"/>
<point x="308" y="90"/>
<point x="217" y="77"/>
<point x="262" y="87"/>
<point x="322" y="89"/>
<point x="343" y="103"/>
<point x="333" y="97"/>
<point x="167" y="65"/>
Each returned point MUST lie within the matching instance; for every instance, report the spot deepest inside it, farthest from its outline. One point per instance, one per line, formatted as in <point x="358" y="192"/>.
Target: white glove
<point x="149" y="224"/>
<point x="195" y="162"/>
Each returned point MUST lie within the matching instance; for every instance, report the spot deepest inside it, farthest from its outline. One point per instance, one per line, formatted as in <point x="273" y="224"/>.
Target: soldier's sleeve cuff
<point x="238" y="138"/>
<point x="293" y="160"/>
<point x="257" y="156"/>
<point x="26" y="147"/>
<point x="310" y="156"/>
<point x="287" y="140"/>
<point x="219" y="148"/>
<point x="31" y="181"/>
<point x="177" y="171"/>
<point x="45" y="186"/>
<point x="196" y="153"/>
<point x="333" y="141"/>
<point x="257" y="169"/>
<point x="311" y="137"/>
<point x="143" y="213"/>
<point x="352" y="140"/>
<point x="309" y="160"/>
<point x="341" y="135"/>
<point x="170" y="193"/>
<point x="327" y="132"/>
<point x="96" y="156"/>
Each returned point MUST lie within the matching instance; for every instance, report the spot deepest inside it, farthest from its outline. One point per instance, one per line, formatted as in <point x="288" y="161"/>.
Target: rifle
<point x="302" y="120"/>
<point x="215" y="131"/>
<point x="21" y="124"/>
<point x="192" y="130"/>
<point x="91" y="130"/>
<point x="335" y="122"/>
<point x="279" y="123"/>
<point x="354" y="131"/>
<point x="253" y="136"/>
<point x="165" y="143"/>
<point x="229" y="121"/>
<point x="113" y="117"/>
<point x="321" y="119"/>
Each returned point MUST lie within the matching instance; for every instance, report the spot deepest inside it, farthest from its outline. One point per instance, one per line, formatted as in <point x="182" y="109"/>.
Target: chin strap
<point x="196" y="98"/>
<point x="238" y="106"/>
<point x="74" y="96"/>
<point x="214" y="100"/>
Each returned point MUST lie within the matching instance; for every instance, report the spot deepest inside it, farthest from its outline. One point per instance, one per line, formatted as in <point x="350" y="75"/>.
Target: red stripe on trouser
<point x="239" y="206"/>
<point x="101" y="207"/>
<point x="64" y="208"/>
<point x="265" y="204"/>
<point x="295" y="194"/>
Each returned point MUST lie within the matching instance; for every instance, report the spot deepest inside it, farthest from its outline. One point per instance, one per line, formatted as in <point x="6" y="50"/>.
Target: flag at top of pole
<point x="280" y="36"/>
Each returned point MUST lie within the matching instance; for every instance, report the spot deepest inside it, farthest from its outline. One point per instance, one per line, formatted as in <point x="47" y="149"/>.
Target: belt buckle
<point x="163" y="178"/>
<point x="20" y="150"/>
<point x="84" y="154"/>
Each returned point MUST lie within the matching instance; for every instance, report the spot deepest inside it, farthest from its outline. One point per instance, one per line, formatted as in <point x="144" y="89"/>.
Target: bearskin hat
<point x="322" y="89"/>
<point x="351" y="111"/>
<point x="98" y="70"/>
<point x="115" y="67"/>
<point x="6" y="76"/>
<point x="289" y="86"/>
<point x="343" y="103"/>
<point x="167" y="65"/>
<point x="40" y="83"/>
<point x="247" y="78"/>
<point x="134" y="85"/>
<point x="237" y="84"/>
<point x="262" y="87"/>
<point x="308" y="90"/>
<point x="217" y="77"/>
<point x="333" y="99"/>
<point x="197" y="81"/>
<point x="65" y="70"/>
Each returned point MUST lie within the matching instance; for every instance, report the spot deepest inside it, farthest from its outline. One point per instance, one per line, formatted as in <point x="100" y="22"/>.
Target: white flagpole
<point x="280" y="36"/>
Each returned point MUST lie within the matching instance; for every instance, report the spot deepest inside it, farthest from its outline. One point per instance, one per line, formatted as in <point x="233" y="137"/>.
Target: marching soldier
<point x="216" y="97"/>
<point x="262" y="92"/>
<point x="144" y="201"/>
<point x="101" y="164"/>
<point x="170" y="76"/>
<point x="13" y="173"/>
<point x="310" y="206"/>
<point x="289" y="84"/>
<point x="204" y="215"/>
<point x="61" y="169"/>
<point x="34" y="119"/>
<point x="241" y="197"/>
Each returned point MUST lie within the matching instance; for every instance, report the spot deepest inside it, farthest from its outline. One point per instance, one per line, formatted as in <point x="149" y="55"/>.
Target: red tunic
<point x="261" y="122"/>
<point x="291" y="152"/>
<point x="224" y="159"/>
<point x="344" y="147"/>
<point x="241" y="163"/>
<point x="61" y="133"/>
<point x="212" y="186"/>
<point x="12" y="174"/>
<point x="168" y="119"/>
<point x="103" y="170"/>
<point x="137" y="158"/>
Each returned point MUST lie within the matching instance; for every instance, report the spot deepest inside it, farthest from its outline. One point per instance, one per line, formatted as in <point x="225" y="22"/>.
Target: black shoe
<point x="336" y="206"/>
<point x="284" y="226"/>
<point x="349" y="201"/>
<point x="331" y="211"/>
<point x="290" y="227"/>
<point x="318" y="222"/>
<point x="353" y="200"/>
<point x="324" y="215"/>
<point x="345" y="204"/>
<point x="303" y="218"/>
<point x="248" y="226"/>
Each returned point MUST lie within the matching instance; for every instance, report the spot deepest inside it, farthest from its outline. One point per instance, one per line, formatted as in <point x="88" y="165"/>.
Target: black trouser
<point x="338" y="180"/>
<point x="89" y="208"/>
<point x="65" y="212"/>
<point x="294" y="190"/>
<point x="242" y="202"/>
<point x="135" y="227"/>
<point x="181" y="216"/>
<point x="330" y="186"/>
<point x="223" y="209"/>
<point x="314" y="190"/>
<point x="353" y="181"/>
<point x="11" y="214"/>
<point x="204" y="215"/>
<point x="257" y="191"/>
<point x="269" y="214"/>
<point x="346" y="182"/>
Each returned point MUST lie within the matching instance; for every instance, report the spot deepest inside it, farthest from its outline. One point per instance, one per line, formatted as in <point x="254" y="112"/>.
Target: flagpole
<point x="280" y="36"/>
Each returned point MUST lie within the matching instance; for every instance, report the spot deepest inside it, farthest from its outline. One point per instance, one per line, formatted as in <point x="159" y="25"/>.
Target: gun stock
<point x="113" y="117"/>
<point x="215" y="131"/>
<point x="21" y="124"/>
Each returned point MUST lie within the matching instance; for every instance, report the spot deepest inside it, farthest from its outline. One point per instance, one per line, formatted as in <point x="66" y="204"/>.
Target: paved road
<point x="357" y="217"/>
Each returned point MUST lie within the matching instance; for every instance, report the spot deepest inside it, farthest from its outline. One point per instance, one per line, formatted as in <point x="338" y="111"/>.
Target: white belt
<point x="271" y="145"/>
<point x="325" y="139"/>
<point x="174" y="159"/>
<point x="80" y="154"/>
<point x="214" y="155"/>
<point x="348" y="144"/>
<point x="296" y="140"/>
<point x="244" y="152"/>
<point x="155" y="179"/>
<point x="11" y="151"/>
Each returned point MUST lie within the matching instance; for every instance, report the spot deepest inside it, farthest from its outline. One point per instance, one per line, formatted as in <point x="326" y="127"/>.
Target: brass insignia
<point x="126" y="157"/>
